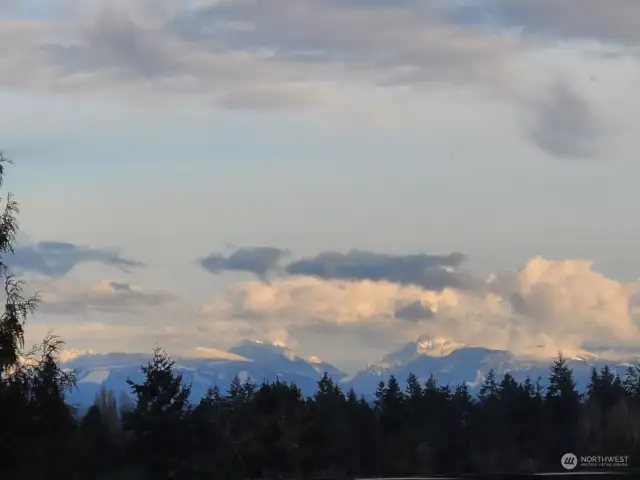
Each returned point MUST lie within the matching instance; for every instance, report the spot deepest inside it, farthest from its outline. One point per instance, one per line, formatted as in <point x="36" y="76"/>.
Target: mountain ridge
<point x="450" y="363"/>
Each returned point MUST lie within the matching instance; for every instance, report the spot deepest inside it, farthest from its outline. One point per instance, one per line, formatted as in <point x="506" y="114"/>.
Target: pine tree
<point x="381" y="394"/>
<point x="213" y="397"/>
<point x="157" y="420"/>
<point x="96" y="441"/>
<point x="631" y="383"/>
<point x="248" y="389"/>
<point x="325" y="386"/>
<point x="414" y="389"/>
<point x="561" y="383"/>
<point x="508" y="390"/>
<point x="489" y="388"/>
<point x="431" y="384"/>
<point x="394" y="392"/>
<point x="211" y="450"/>
<point x="236" y="392"/>
<point x="53" y="420"/>
<point x="563" y="408"/>
<point x="352" y="397"/>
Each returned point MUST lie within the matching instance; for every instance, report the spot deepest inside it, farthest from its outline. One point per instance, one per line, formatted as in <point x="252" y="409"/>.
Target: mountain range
<point x="450" y="363"/>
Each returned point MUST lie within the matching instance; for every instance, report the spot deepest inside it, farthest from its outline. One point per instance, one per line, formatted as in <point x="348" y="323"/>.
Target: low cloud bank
<point x="547" y="306"/>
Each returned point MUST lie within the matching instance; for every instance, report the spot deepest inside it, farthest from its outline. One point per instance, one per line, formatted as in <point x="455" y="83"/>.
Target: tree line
<point x="270" y="430"/>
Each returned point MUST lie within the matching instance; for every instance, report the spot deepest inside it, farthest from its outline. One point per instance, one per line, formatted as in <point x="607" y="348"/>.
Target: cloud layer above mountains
<point x="252" y="54"/>
<point x="359" y="299"/>
<point x="544" y="307"/>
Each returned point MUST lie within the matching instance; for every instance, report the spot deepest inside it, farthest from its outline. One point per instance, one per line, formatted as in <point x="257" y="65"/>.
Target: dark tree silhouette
<point x="37" y="427"/>
<point x="156" y="421"/>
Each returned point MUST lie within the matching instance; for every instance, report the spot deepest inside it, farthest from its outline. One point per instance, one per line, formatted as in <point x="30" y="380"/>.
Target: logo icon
<point x="569" y="461"/>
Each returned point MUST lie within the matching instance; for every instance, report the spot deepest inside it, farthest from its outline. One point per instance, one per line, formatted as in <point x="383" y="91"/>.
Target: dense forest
<point x="272" y="431"/>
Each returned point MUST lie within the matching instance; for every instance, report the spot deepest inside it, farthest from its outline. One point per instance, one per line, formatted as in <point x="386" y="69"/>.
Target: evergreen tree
<point x="157" y="420"/>
<point x="96" y="442"/>
<point x="563" y="409"/>
<point x="561" y="383"/>
<point x="631" y="383"/>
<point x="236" y="390"/>
<point x="211" y="449"/>
<point x="381" y="394"/>
<point x="414" y="389"/>
<point x="489" y="387"/>
<point x="37" y="427"/>
<point x="18" y="307"/>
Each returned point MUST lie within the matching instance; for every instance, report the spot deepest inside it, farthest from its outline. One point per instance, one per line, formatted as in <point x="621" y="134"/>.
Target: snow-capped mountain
<point x="200" y="367"/>
<point x="425" y="345"/>
<point x="451" y="363"/>
<point x="285" y="360"/>
<point x="455" y="364"/>
<point x="68" y="355"/>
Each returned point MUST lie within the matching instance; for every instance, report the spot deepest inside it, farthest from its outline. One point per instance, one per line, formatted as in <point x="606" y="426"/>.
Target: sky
<point x="337" y="176"/>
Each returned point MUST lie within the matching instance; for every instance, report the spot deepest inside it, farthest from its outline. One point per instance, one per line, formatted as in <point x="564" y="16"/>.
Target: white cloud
<point x="545" y="307"/>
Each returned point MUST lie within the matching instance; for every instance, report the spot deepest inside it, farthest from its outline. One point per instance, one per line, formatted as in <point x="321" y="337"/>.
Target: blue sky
<point x="169" y="131"/>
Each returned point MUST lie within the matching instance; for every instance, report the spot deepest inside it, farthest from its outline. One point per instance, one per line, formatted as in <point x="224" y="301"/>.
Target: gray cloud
<point x="275" y="55"/>
<point x="106" y="297"/>
<point x="120" y="287"/>
<point x="397" y="44"/>
<point x="122" y="49"/>
<point x="116" y="40"/>
<point x="414" y="312"/>
<point x="257" y="260"/>
<point x="55" y="259"/>
<point x="611" y="20"/>
<point x="566" y="125"/>
<point x="433" y="272"/>
<point x="318" y="33"/>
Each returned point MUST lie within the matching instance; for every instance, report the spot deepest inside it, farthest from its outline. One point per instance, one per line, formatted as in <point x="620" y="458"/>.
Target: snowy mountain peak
<point x="257" y="350"/>
<point x="70" y="354"/>
<point x="424" y="346"/>
<point x="436" y="346"/>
